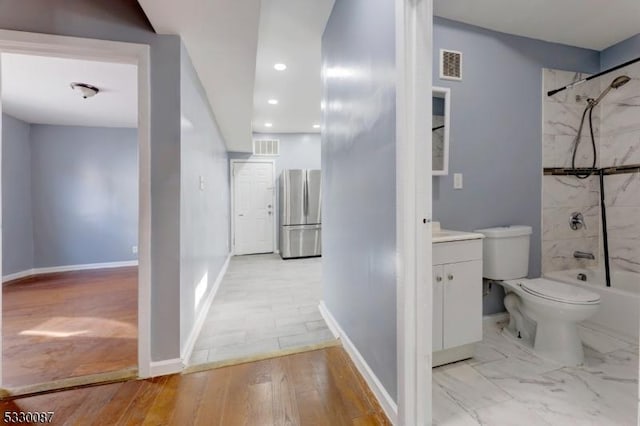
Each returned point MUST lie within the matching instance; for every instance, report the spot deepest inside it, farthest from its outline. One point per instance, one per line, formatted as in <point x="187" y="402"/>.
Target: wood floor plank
<point x="319" y="388"/>
<point x="116" y="408"/>
<point x="285" y="404"/>
<point x="186" y="409"/>
<point x="63" y="325"/>
<point x="214" y="396"/>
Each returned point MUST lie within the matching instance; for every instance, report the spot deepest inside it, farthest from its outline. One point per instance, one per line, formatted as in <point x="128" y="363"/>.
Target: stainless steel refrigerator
<point x="300" y="213"/>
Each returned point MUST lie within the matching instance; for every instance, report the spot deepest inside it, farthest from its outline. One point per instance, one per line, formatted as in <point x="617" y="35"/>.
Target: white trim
<point x="447" y="126"/>
<point x="68" y="268"/>
<point x="202" y="315"/>
<point x="384" y="399"/>
<point x="120" y="52"/>
<point x="234" y="161"/>
<point x="165" y="367"/>
<point x="414" y="35"/>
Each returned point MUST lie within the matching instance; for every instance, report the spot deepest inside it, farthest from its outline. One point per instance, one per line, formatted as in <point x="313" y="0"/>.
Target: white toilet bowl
<point x="545" y="314"/>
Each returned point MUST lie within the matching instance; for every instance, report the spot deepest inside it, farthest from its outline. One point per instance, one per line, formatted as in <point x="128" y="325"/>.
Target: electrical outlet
<point x="457" y="181"/>
<point x="134" y="249"/>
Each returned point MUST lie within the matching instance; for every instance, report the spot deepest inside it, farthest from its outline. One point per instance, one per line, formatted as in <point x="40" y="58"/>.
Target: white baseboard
<point x="165" y="367"/>
<point x="384" y="399"/>
<point x="68" y="268"/>
<point x="202" y="315"/>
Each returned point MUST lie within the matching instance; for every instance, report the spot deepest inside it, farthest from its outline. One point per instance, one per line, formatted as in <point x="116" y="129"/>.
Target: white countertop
<point x="440" y="235"/>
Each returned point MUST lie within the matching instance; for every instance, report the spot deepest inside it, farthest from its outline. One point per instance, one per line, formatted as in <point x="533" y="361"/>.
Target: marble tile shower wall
<point x="620" y="145"/>
<point x="617" y="134"/>
<point x="562" y="195"/>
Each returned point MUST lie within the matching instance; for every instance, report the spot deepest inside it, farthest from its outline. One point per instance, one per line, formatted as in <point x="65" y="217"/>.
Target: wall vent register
<point x="450" y="65"/>
<point x="266" y="147"/>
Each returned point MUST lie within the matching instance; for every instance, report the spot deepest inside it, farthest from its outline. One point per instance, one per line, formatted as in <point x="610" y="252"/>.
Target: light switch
<point x="457" y="181"/>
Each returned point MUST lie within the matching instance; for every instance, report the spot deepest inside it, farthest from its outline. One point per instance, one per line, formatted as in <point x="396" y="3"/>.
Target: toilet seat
<point x="559" y="292"/>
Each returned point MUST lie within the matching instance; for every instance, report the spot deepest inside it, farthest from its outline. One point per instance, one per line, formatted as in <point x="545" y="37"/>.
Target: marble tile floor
<point x="504" y="384"/>
<point x="264" y="305"/>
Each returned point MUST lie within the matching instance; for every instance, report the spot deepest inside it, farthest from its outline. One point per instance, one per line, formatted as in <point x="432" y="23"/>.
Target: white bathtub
<point x="619" y="304"/>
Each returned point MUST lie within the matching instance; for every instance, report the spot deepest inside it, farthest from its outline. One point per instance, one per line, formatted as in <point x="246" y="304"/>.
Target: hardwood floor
<point x="311" y="388"/>
<point x="69" y="324"/>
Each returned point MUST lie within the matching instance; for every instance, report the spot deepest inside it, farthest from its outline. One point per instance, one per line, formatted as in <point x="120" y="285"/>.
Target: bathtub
<point x="619" y="304"/>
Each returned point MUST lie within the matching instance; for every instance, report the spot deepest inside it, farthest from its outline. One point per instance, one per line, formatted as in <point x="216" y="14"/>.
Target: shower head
<point x="620" y="81"/>
<point x="615" y="84"/>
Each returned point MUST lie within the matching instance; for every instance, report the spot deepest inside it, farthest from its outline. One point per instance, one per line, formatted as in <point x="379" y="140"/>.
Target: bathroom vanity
<point x="457" y="294"/>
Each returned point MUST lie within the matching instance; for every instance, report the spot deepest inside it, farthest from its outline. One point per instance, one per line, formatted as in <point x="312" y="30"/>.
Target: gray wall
<point x="496" y="130"/>
<point x="123" y="20"/>
<point x="359" y="180"/>
<point x="620" y="53"/>
<point x="17" y="220"/>
<point x="84" y="194"/>
<point x="297" y="151"/>
<point x="204" y="214"/>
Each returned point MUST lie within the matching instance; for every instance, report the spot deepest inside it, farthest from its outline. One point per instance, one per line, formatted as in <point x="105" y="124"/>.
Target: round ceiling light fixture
<point x="86" y="90"/>
<point x="316" y="126"/>
<point x="272" y="102"/>
<point x="280" y="67"/>
<point x="268" y="124"/>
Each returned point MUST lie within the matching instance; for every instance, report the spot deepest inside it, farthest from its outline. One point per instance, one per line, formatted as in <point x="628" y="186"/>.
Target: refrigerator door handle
<point x="306" y="194"/>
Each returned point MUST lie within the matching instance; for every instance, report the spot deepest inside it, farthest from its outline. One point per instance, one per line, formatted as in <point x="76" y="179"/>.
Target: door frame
<point x="276" y="208"/>
<point x="414" y="47"/>
<point x="117" y="52"/>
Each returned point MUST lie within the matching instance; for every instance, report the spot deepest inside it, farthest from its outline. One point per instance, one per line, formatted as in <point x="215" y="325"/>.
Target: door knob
<point x="438" y="278"/>
<point x="269" y="206"/>
<point x="450" y="276"/>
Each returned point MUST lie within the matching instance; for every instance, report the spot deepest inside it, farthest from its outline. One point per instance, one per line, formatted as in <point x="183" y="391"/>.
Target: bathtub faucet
<point x="583" y="255"/>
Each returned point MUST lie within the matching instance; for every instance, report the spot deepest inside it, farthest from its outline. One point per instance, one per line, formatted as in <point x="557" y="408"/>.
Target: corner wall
<point x="17" y="216"/>
<point x="359" y="180"/>
<point x="204" y="210"/>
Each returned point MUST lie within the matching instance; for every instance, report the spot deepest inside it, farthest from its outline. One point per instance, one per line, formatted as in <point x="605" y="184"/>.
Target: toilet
<point x="544" y="314"/>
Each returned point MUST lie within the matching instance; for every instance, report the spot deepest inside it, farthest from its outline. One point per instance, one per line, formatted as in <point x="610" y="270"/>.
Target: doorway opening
<point x="75" y="211"/>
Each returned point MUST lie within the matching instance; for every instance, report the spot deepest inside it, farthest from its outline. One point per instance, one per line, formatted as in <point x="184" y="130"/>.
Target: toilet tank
<point x="505" y="252"/>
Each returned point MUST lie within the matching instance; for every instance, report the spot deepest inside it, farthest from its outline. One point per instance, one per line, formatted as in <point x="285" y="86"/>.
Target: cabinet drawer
<point x="457" y="251"/>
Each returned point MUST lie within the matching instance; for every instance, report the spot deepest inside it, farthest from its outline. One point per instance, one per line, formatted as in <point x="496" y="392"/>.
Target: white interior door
<point x="253" y="207"/>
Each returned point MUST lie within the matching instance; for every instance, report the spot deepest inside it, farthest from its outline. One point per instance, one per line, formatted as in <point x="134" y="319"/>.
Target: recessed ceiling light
<point x="280" y="67"/>
<point x="272" y="102"/>
<point x="268" y="124"/>
<point x="316" y="126"/>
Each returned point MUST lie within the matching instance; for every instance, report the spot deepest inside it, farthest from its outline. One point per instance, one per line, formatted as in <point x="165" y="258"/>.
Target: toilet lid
<point x="561" y="292"/>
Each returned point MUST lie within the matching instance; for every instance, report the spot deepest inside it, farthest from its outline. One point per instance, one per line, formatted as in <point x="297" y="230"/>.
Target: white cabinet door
<point x="438" y="296"/>
<point x="462" y="319"/>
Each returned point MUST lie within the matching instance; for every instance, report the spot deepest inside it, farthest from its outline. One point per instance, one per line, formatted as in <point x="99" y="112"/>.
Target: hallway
<point x="265" y="306"/>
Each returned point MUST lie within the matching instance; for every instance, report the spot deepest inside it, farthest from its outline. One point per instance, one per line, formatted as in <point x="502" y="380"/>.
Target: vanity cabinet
<point x="457" y="299"/>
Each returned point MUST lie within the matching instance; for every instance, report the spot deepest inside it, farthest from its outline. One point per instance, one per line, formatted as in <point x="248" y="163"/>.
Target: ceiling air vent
<point x="266" y="147"/>
<point x="450" y="65"/>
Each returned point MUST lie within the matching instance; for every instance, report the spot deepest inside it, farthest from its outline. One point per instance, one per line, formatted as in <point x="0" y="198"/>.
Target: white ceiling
<point x="591" y="24"/>
<point x="36" y="89"/>
<point x="221" y="37"/>
<point x="290" y="33"/>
